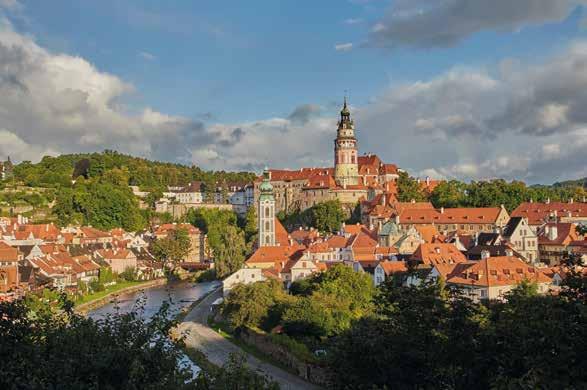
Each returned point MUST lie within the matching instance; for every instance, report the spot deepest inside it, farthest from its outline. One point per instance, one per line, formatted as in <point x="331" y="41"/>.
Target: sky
<point x="466" y="89"/>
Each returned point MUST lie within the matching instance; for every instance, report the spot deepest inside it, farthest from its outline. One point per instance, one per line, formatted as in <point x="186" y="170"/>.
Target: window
<point x="267" y="211"/>
<point x="267" y="225"/>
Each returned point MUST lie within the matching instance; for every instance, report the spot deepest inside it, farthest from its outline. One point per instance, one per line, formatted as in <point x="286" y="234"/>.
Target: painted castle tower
<point x="346" y="167"/>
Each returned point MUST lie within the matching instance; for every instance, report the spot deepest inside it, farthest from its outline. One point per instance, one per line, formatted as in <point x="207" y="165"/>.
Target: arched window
<point x="267" y="211"/>
<point x="267" y="225"/>
<point x="268" y="238"/>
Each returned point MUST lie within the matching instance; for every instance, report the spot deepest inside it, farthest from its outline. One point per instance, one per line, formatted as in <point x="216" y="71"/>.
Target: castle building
<point x="353" y="178"/>
<point x="266" y="212"/>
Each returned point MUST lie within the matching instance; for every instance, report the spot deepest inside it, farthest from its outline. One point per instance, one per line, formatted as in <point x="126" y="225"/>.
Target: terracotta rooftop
<point x="537" y="213"/>
<point x="438" y="253"/>
<point x="496" y="271"/>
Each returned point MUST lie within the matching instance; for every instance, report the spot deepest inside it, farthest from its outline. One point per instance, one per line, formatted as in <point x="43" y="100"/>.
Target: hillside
<point x="572" y="183"/>
<point x="58" y="171"/>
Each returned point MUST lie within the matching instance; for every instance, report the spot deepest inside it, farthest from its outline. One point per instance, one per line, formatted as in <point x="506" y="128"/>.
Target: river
<point x="180" y="295"/>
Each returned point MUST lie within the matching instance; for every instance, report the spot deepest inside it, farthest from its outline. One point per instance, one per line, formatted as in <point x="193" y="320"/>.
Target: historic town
<point x="351" y="195"/>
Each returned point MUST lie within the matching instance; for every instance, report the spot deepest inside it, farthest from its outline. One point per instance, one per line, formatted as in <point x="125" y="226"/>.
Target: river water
<point x="179" y="294"/>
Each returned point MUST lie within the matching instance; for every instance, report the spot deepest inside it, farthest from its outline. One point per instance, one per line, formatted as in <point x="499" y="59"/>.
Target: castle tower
<point x="346" y="167"/>
<point x="266" y="212"/>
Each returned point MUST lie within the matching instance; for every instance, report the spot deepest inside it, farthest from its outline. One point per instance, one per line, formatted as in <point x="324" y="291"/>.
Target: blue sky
<point x="208" y="68"/>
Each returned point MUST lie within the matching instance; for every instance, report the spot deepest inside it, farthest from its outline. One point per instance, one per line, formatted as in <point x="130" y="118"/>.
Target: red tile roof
<point x="496" y="271"/>
<point x="481" y="215"/>
<point x="438" y="253"/>
<point x="392" y="267"/>
<point x="566" y="233"/>
<point x="8" y="253"/>
<point x="538" y="213"/>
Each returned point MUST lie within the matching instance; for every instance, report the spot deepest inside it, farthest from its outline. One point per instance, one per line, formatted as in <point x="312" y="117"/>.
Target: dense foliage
<point x="326" y="216"/>
<point x="175" y="247"/>
<point x="409" y="189"/>
<point x="46" y="345"/>
<point x="494" y="193"/>
<point x="325" y="304"/>
<point x="58" y="171"/>
<point x="99" y="204"/>
<point x="429" y="337"/>
<point x="225" y="238"/>
<point x="93" y="189"/>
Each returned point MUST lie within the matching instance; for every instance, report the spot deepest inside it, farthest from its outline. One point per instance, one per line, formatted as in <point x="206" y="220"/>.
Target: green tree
<point x="253" y="305"/>
<point x="449" y="194"/>
<point x="229" y="253"/>
<point x="250" y="227"/>
<point x="409" y="189"/>
<point x="59" y="349"/>
<point x="327" y="216"/>
<point x="173" y="248"/>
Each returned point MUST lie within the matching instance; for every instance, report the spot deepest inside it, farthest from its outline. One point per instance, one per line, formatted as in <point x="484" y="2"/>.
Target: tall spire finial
<point x="345" y="108"/>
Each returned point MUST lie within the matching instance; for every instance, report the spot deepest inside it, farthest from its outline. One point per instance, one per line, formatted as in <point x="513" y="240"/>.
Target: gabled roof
<point x="438" y="253"/>
<point x="8" y="253"/>
<point x="268" y="254"/>
<point x="511" y="226"/>
<point x="338" y="241"/>
<point x="497" y="271"/>
<point x="488" y="239"/>
<point x="459" y="215"/>
<point x="389" y="228"/>
<point x="392" y="267"/>
<point x="566" y="233"/>
<point x="429" y="233"/>
<point x="281" y="235"/>
<point x="538" y="213"/>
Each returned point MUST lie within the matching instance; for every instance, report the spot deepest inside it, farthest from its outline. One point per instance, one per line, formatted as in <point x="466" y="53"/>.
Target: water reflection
<point x="179" y="294"/>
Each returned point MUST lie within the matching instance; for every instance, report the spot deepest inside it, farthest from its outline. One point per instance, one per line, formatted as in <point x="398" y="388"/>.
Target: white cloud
<point x="343" y="46"/>
<point x="433" y="23"/>
<point x="517" y="121"/>
<point x="353" y="21"/>
<point x="13" y="5"/>
<point x="147" y="56"/>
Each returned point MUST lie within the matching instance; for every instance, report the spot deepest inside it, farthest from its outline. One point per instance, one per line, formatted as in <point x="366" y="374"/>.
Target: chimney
<point x="397" y="219"/>
<point x="531" y="200"/>
<point x="437" y="250"/>
<point x="509" y="252"/>
<point x="547" y="201"/>
<point x="442" y="210"/>
<point x="571" y="201"/>
<point x="552" y="232"/>
<point x="413" y="200"/>
<point x="19" y="219"/>
<point x="383" y="200"/>
<point x="427" y="181"/>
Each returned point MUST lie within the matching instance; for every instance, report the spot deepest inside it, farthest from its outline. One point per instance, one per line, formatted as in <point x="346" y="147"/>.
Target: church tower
<point x="266" y="212"/>
<point x="346" y="166"/>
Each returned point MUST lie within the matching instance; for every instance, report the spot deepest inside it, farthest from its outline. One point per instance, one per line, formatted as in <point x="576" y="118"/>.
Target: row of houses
<point x="37" y="256"/>
<point x="239" y="196"/>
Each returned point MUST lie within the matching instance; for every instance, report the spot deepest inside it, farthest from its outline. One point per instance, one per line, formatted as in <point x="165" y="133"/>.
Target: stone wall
<point x="312" y="372"/>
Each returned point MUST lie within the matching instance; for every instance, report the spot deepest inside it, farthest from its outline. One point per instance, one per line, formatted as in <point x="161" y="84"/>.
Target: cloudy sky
<point x="471" y="89"/>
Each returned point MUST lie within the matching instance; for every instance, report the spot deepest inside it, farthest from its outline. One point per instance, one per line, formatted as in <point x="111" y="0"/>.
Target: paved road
<point x="217" y="349"/>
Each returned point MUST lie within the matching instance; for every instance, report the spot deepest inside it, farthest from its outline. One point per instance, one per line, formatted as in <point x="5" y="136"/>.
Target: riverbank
<point x="101" y="298"/>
